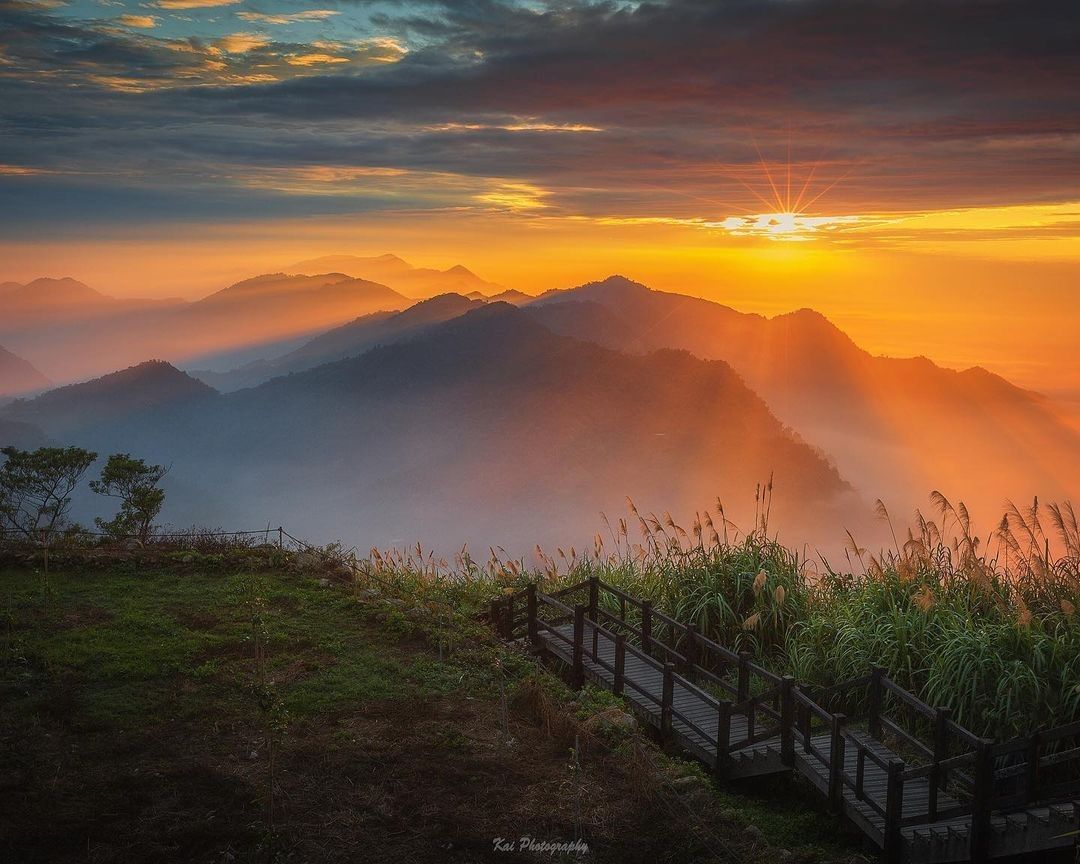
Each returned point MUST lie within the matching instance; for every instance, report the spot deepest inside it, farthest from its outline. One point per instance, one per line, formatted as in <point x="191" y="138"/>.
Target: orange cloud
<point x="144" y="22"/>
<point x="291" y="18"/>
<point x="238" y="43"/>
<point x="315" y="59"/>
<point x="193" y="4"/>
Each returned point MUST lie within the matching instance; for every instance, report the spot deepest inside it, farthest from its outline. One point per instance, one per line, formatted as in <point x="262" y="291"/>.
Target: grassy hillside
<point x="235" y="707"/>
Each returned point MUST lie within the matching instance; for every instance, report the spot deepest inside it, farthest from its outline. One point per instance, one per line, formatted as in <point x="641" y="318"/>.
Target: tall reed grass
<point x="984" y="625"/>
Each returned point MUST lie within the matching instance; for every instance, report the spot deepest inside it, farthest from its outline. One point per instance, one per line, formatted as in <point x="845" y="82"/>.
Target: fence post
<point x="787" y="720"/>
<point x="667" y="702"/>
<point x="939" y="775"/>
<point x="646" y="626"/>
<point x="691" y="648"/>
<point x="982" y="800"/>
<point x="594" y="596"/>
<point x="530" y="601"/>
<point x="744" y="675"/>
<point x="579" y="647"/>
<point x="495" y="615"/>
<point x="620" y="664"/>
<point x="877" y="695"/>
<point x="1033" y="754"/>
<point x="894" y="809"/>
<point x="723" y="736"/>
<point x="508" y="622"/>
<point x="836" y="764"/>
<point x="280" y="537"/>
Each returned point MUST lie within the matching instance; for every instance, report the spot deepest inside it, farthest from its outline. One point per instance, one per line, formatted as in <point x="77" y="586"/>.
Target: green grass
<point x="137" y="724"/>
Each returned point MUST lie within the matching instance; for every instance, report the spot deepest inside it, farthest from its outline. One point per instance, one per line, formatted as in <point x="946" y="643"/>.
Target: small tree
<point x="36" y="487"/>
<point x="136" y="485"/>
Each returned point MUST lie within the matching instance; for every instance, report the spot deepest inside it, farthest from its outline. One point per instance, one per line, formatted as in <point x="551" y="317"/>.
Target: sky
<point x="911" y="168"/>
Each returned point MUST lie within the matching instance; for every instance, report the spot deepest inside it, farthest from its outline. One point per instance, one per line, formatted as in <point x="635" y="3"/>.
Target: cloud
<point x="144" y="22"/>
<point x="238" y="43"/>
<point x="290" y="18"/>
<point x="193" y="4"/>
<point x="660" y="110"/>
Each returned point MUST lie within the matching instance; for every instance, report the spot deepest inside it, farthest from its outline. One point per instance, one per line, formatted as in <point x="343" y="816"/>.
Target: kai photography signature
<point x="533" y="844"/>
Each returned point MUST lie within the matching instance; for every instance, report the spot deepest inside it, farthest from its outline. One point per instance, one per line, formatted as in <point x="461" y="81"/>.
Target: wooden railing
<point x="1042" y="768"/>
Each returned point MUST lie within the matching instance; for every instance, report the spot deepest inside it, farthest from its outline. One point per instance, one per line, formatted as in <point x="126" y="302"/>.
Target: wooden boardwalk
<point x="969" y="800"/>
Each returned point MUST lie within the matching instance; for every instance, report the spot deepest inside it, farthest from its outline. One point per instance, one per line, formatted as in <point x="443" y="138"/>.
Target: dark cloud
<point x="916" y="103"/>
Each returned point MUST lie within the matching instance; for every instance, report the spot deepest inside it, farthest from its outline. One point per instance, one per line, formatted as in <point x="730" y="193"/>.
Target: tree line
<point x="36" y="488"/>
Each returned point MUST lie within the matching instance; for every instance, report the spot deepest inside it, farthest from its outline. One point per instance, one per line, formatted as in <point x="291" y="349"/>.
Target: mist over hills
<point x="345" y="341"/>
<point x="487" y="428"/>
<point x="105" y="334"/>
<point x="372" y="417"/>
<point x="18" y="376"/>
<point x="897" y="428"/>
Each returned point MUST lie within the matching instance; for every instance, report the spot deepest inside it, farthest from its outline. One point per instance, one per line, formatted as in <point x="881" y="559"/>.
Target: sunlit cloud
<point x="142" y="22"/>
<point x="519" y="126"/>
<point x="239" y="43"/>
<point x="21" y="171"/>
<point x="315" y="59"/>
<point x="193" y="4"/>
<point x="515" y="197"/>
<point x="290" y="18"/>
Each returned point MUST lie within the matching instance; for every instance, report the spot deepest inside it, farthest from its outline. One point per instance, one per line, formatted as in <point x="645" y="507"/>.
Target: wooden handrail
<point x="797" y="708"/>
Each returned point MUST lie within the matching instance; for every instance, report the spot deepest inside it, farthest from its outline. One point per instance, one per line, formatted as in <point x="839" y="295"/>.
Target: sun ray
<point x="768" y="176"/>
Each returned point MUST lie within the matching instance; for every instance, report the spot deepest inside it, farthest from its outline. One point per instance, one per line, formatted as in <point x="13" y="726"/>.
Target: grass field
<point x="207" y="708"/>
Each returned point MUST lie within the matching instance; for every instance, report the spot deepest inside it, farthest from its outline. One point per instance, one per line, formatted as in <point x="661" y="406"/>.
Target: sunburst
<point x="787" y="201"/>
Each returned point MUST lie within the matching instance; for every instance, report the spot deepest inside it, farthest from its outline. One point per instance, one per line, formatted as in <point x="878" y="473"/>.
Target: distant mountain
<point x="266" y="310"/>
<point x="898" y="428"/>
<point x="45" y="292"/>
<point x="488" y="428"/>
<point x="151" y="388"/>
<point x="18" y="376"/>
<point x="418" y="282"/>
<point x="349" y="340"/>
<point x="510" y="295"/>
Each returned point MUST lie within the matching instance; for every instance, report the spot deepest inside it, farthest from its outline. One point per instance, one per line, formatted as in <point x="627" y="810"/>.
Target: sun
<point x="778" y="223"/>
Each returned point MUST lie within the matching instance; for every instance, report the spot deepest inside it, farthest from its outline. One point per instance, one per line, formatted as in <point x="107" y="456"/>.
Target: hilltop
<point x="138" y="722"/>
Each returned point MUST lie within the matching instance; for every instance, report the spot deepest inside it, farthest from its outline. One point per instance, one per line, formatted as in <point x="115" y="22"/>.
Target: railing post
<point x="667" y="702"/>
<point x="723" y="736"/>
<point x="939" y="775"/>
<point x="495" y="615"/>
<point x="530" y="601"/>
<point x="787" y="720"/>
<point x="620" y="664"/>
<point x="691" y="648"/>
<point x="836" y="764"/>
<point x="894" y="809"/>
<point x="877" y="699"/>
<point x="594" y="596"/>
<point x="280" y="537"/>
<point x="982" y="801"/>
<point x="646" y="626"/>
<point x="744" y="675"/>
<point x="578" y="672"/>
<point x="508" y="622"/>
<point x="1034" y="753"/>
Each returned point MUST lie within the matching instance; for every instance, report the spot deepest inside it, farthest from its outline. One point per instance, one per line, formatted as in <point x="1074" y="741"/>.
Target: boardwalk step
<point x="1016" y="822"/>
<point x="695" y="724"/>
<point x="1063" y="813"/>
